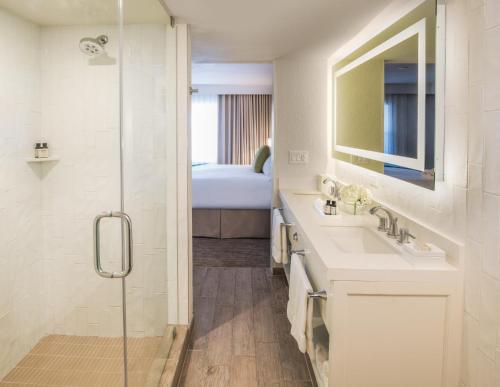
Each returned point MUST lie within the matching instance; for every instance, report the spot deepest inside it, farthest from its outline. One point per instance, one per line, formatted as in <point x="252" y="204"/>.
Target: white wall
<point x="233" y="78"/>
<point x="466" y="206"/>
<point x="445" y="207"/>
<point x="481" y="360"/>
<point x="301" y="121"/>
<point x="209" y="89"/>
<point x="300" y="118"/>
<point x="179" y="238"/>
<point x="21" y="266"/>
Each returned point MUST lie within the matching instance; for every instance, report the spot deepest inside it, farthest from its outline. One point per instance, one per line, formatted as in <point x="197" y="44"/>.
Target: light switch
<point x="298" y="157"/>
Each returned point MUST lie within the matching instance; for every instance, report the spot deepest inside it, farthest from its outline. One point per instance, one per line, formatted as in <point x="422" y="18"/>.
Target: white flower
<point x="355" y="194"/>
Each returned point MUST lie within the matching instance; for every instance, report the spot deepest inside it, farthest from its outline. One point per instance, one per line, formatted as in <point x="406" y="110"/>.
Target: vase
<point x="353" y="208"/>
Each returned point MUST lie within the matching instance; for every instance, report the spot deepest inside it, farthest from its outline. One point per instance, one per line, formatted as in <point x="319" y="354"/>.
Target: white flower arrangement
<point x="356" y="196"/>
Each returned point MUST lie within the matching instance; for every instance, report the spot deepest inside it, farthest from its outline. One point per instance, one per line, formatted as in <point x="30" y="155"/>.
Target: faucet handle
<point x="382" y="223"/>
<point x="393" y="232"/>
<point x="404" y="236"/>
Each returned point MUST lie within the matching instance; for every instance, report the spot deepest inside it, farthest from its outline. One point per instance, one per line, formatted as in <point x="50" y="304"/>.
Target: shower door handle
<point x="127" y="255"/>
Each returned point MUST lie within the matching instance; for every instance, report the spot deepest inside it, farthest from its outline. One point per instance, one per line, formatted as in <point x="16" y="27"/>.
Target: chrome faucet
<point x="404" y="236"/>
<point x="334" y="189"/>
<point x="392" y="229"/>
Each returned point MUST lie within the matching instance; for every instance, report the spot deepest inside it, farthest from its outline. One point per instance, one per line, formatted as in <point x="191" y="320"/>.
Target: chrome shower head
<point x="94" y="47"/>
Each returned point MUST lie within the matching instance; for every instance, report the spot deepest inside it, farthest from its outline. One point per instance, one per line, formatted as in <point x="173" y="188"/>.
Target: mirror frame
<point x="418" y="29"/>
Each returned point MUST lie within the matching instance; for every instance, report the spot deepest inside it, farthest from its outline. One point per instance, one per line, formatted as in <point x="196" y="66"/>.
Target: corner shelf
<point x="42" y="160"/>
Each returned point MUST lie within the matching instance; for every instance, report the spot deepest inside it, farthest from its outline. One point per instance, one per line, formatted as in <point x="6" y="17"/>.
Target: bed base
<point x="235" y="223"/>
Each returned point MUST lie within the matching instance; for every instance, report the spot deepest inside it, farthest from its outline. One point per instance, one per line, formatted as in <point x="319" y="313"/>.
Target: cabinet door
<point x="389" y="334"/>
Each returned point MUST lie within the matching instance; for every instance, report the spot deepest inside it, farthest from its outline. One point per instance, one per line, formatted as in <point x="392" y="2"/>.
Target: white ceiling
<point x="77" y="12"/>
<point x="260" y="74"/>
<point x="248" y="31"/>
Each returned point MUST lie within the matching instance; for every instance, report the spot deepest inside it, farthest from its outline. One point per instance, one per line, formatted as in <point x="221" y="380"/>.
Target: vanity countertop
<point x="390" y="264"/>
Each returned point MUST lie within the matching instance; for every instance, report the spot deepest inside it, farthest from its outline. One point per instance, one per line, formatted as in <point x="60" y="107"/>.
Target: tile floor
<point x="76" y="361"/>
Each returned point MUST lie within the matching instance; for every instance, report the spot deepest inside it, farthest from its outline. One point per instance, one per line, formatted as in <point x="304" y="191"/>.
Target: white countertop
<point x="398" y="266"/>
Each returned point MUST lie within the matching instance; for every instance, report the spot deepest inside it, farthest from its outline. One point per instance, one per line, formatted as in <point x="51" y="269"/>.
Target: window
<point x="204" y="128"/>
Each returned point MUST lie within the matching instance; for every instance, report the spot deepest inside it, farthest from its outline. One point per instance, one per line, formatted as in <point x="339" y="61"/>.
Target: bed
<point x="231" y="201"/>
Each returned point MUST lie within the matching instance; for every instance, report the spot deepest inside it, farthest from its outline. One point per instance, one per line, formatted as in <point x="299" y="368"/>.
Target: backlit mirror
<point x="387" y="96"/>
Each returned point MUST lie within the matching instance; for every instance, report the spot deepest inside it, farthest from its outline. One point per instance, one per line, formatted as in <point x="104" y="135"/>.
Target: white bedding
<point x="230" y="187"/>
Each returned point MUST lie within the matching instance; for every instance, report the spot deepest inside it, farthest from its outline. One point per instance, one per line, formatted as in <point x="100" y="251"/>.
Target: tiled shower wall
<point x="80" y="119"/>
<point x="80" y="122"/>
<point x="49" y="89"/>
<point x="22" y="295"/>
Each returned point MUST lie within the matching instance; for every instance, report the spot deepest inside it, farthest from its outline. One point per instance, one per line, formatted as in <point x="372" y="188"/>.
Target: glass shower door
<point x="64" y="325"/>
<point x="88" y="78"/>
<point x="146" y="49"/>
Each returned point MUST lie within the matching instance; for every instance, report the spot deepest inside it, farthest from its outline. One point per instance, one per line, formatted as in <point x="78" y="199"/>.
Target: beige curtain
<point x="244" y="126"/>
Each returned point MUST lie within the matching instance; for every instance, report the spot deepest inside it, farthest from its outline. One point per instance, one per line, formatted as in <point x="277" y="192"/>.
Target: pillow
<point x="260" y="158"/>
<point x="267" y="169"/>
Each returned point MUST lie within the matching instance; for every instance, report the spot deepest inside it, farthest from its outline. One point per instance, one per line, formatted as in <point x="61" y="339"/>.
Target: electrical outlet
<point x="298" y="157"/>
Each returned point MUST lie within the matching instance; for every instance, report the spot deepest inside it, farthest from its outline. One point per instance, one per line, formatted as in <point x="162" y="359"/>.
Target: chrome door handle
<point x="127" y="257"/>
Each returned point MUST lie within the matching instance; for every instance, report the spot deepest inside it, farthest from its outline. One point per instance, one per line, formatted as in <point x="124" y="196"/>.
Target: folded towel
<point x="277" y="237"/>
<point x="309" y="327"/>
<point x="321" y="335"/>
<point x="284" y="247"/>
<point x="321" y="355"/>
<point x="322" y="376"/>
<point x="326" y="371"/>
<point x="299" y="310"/>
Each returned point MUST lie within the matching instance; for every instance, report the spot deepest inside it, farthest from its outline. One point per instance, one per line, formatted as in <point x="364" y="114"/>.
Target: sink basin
<point x="354" y="240"/>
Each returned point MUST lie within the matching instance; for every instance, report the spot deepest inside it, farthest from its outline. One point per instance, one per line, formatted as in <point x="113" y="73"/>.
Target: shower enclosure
<point x="83" y="263"/>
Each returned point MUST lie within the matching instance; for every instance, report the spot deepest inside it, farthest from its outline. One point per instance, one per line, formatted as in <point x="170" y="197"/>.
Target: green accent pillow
<point x="260" y="158"/>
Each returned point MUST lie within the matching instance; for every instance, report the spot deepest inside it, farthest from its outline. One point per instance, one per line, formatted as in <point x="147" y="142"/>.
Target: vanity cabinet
<point x="392" y="334"/>
<point x="388" y="327"/>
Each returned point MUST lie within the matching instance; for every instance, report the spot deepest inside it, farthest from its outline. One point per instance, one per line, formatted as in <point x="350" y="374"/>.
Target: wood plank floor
<point x="241" y="332"/>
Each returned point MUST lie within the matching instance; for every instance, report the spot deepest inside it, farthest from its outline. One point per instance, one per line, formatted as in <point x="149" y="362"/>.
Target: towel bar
<point x="319" y="294"/>
<point x="302" y="253"/>
<point x="283" y="226"/>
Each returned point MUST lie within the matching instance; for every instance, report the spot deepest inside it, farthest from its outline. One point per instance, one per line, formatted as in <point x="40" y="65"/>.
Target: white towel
<point x="321" y="355"/>
<point x="284" y="247"/>
<point x="299" y="310"/>
<point x="277" y="241"/>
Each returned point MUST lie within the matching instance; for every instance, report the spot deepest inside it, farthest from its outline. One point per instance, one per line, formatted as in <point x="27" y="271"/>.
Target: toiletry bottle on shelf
<point x="38" y="146"/>
<point x="44" y="151"/>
